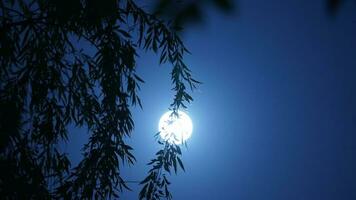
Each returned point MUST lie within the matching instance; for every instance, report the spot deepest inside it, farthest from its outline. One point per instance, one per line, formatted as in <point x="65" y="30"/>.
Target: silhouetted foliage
<point x="182" y="12"/>
<point x="333" y="6"/>
<point x="156" y="182"/>
<point x="48" y="81"/>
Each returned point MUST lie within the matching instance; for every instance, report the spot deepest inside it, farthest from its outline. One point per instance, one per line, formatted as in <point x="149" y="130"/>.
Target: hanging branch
<point x="48" y="83"/>
<point x="168" y="159"/>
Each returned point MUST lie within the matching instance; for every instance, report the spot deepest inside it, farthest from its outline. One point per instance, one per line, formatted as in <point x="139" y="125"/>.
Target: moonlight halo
<point x="175" y="129"/>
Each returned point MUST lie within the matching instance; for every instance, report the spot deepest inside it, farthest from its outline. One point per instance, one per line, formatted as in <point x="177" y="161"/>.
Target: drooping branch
<point x="50" y="82"/>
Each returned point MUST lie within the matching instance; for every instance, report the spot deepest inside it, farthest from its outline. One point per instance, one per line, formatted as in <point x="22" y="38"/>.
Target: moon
<point x="175" y="129"/>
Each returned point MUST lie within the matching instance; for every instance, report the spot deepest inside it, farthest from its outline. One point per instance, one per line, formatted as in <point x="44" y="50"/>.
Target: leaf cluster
<point x="168" y="159"/>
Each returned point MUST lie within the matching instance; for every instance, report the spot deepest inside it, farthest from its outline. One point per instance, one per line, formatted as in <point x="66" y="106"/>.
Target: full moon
<point x="175" y="129"/>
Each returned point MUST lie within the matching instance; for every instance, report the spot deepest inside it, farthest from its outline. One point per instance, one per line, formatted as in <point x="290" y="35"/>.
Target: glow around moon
<point x="175" y="129"/>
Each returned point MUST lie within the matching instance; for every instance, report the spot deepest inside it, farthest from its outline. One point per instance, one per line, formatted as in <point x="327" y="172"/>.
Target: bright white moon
<point x="175" y="129"/>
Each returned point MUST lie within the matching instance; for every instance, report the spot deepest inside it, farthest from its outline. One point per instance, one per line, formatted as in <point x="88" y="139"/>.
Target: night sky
<point x="275" y="117"/>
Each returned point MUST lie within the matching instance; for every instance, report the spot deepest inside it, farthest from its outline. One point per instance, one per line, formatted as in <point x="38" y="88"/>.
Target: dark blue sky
<point x="276" y="116"/>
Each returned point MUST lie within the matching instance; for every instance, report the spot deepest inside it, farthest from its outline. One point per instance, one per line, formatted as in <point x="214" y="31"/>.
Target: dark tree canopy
<point x="48" y="81"/>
